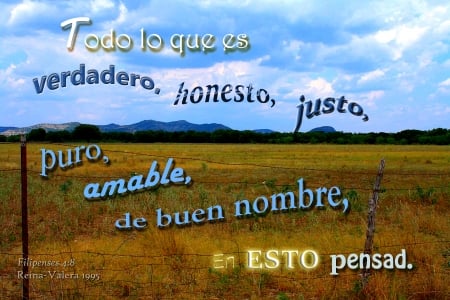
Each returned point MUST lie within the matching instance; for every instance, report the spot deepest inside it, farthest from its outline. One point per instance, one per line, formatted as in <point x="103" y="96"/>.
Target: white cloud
<point x="371" y="97"/>
<point x="444" y="86"/>
<point x="28" y="9"/>
<point x="445" y="83"/>
<point x="373" y="52"/>
<point x="442" y="111"/>
<point x="99" y="5"/>
<point x="318" y="88"/>
<point x="123" y="11"/>
<point x="400" y="38"/>
<point x="373" y="75"/>
<point x="9" y="79"/>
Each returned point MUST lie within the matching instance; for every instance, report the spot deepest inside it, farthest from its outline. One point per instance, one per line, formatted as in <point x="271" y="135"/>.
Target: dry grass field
<point x="210" y="260"/>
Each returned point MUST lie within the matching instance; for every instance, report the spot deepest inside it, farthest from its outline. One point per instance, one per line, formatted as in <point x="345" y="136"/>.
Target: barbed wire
<point x="151" y="286"/>
<point x="366" y="187"/>
<point x="143" y="287"/>
<point x="61" y="253"/>
<point x="261" y="165"/>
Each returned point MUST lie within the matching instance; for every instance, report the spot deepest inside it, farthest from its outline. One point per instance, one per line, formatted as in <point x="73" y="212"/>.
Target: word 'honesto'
<point x="211" y="92"/>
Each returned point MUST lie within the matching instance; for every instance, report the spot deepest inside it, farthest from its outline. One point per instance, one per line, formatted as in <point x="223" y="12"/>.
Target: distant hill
<point x="181" y="125"/>
<point x="323" y="129"/>
<point x="2" y="129"/>
<point x="153" y="125"/>
<point x="47" y="126"/>
<point x="263" y="131"/>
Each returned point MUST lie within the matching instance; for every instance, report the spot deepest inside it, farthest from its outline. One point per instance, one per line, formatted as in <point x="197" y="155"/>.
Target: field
<point x="91" y="259"/>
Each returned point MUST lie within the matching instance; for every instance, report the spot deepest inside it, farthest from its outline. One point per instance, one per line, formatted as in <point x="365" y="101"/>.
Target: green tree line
<point x="91" y="133"/>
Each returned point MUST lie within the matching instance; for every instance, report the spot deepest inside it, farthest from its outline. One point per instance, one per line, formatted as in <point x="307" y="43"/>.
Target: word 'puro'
<point x="70" y="158"/>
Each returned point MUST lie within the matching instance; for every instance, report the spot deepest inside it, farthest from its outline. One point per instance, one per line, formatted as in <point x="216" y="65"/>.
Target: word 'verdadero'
<point x="81" y="77"/>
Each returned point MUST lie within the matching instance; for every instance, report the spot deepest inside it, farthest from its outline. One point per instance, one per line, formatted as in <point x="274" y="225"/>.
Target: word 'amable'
<point x="137" y="183"/>
<point x="328" y="107"/>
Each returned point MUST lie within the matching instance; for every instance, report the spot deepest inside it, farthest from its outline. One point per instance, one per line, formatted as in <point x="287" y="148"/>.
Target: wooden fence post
<point x="373" y="203"/>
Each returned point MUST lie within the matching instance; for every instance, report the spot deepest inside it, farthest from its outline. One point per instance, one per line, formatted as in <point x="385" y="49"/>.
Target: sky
<point x="390" y="58"/>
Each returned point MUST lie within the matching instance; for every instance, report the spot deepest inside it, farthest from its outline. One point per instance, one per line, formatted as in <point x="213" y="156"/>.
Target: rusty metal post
<point x="24" y="181"/>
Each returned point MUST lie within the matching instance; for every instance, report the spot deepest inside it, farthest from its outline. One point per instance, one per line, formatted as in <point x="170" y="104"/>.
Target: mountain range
<point x="180" y="125"/>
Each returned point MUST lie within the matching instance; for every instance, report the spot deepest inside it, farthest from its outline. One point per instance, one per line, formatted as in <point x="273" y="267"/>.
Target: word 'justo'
<point x="327" y="106"/>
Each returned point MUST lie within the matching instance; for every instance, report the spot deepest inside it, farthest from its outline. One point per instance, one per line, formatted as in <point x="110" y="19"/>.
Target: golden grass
<point x="178" y="262"/>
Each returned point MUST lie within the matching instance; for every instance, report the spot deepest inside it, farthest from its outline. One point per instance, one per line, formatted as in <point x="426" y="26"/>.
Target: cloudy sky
<point x="391" y="58"/>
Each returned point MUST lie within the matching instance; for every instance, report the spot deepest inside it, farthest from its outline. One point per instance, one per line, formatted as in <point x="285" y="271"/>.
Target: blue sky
<point x="393" y="59"/>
